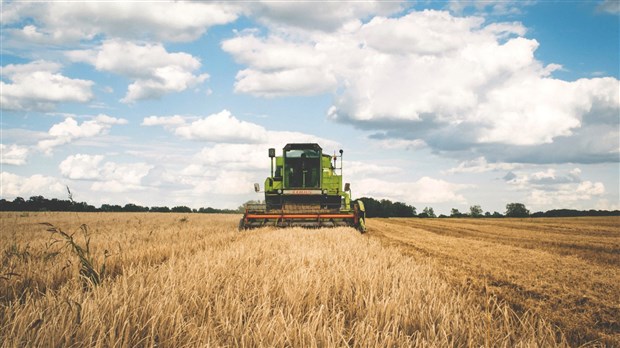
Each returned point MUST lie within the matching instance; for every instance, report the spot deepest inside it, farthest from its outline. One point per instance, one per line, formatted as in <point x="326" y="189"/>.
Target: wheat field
<point x="186" y="280"/>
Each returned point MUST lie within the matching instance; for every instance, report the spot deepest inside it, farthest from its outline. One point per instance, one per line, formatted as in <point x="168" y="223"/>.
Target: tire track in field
<point x="580" y="297"/>
<point x="597" y="248"/>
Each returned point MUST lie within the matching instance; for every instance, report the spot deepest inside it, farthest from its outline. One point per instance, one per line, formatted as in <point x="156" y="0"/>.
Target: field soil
<point x="566" y="270"/>
<point x="186" y="280"/>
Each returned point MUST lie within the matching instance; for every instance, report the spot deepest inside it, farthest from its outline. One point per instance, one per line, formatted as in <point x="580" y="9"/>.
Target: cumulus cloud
<point x="235" y="155"/>
<point x="425" y="190"/>
<point x="223" y="127"/>
<point x="548" y="188"/>
<point x="108" y="176"/>
<point x="69" y="130"/>
<point x="13" y="154"/>
<point x="566" y="196"/>
<point x="496" y="7"/>
<point x="358" y="170"/>
<point x="154" y="70"/>
<point x="279" y="67"/>
<point x="166" y="121"/>
<point x="391" y="144"/>
<point x="609" y="6"/>
<point x="226" y="130"/>
<point x="14" y="185"/>
<point x="326" y="16"/>
<point x="60" y="22"/>
<point x="38" y="85"/>
<point x="452" y="83"/>
<point x="480" y="165"/>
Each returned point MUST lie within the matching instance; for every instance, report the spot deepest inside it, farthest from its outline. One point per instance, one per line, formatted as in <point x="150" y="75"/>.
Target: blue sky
<point x="441" y="104"/>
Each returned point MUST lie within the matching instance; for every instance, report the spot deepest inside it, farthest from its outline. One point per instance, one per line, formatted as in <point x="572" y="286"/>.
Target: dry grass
<point x="177" y="280"/>
<point x="567" y="270"/>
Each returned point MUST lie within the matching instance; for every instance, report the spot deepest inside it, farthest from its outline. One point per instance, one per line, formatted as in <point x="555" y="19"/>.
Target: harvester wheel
<point x="241" y="224"/>
<point x="362" y="225"/>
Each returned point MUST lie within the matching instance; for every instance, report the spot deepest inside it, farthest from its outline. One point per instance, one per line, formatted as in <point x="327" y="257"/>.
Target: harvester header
<point x="305" y="189"/>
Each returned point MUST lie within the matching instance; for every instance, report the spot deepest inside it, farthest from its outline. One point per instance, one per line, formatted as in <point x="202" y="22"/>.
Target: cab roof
<point x="302" y="146"/>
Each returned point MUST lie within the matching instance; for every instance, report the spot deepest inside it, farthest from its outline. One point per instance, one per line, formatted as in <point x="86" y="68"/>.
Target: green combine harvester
<point x="305" y="190"/>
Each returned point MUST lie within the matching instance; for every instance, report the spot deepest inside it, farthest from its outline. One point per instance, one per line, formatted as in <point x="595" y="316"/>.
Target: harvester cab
<point x="305" y="189"/>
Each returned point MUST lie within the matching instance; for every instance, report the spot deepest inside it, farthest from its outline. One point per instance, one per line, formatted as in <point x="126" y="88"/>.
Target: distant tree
<point x="130" y="207"/>
<point x="497" y="215"/>
<point x="37" y="203"/>
<point x="83" y="206"/>
<point x="516" y="210"/>
<point x="475" y="211"/>
<point x="60" y="205"/>
<point x="111" y="208"/>
<point x="19" y="204"/>
<point x="455" y="213"/>
<point x="487" y="214"/>
<point x="387" y="208"/>
<point x="428" y="212"/>
<point x="373" y="207"/>
<point x="181" y="209"/>
<point x="400" y="209"/>
<point x="5" y="205"/>
<point x="160" y="209"/>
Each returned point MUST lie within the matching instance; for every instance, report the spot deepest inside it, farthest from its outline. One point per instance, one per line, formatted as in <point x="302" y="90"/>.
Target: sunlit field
<point x="567" y="270"/>
<point x="146" y="279"/>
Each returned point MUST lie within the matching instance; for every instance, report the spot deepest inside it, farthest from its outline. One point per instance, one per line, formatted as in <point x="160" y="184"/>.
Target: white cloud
<point x="604" y="204"/>
<point x="547" y="179"/>
<point x="108" y="176"/>
<point x="566" y="195"/>
<point x="155" y="71"/>
<point x="357" y="170"/>
<point x="81" y="167"/>
<point x="60" y="22"/>
<point x="228" y="183"/>
<point x="226" y="130"/>
<point x="453" y="83"/>
<point x="323" y="16"/>
<point x="279" y="67"/>
<point x="39" y="86"/>
<point x="69" y="130"/>
<point x="223" y="127"/>
<point x="391" y="144"/>
<point x="166" y="121"/>
<point x="301" y="81"/>
<point x="236" y="155"/>
<point x="480" y="165"/>
<point x="549" y="189"/>
<point x="13" y="154"/>
<point x="609" y="6"/>
<point x="12" y="185"/>
<point x="425" y="190"/>
<point x="496" y="7"/>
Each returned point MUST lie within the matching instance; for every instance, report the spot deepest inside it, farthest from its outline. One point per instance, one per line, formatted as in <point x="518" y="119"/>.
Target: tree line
<point x="387" y="208"/>
<point x="374" y="208"/>
<point x="40" y="203"/>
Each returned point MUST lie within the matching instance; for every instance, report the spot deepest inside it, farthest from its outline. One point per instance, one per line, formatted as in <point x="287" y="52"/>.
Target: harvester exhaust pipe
<point x="272" y="154"/>
<point x="341" y="161"/>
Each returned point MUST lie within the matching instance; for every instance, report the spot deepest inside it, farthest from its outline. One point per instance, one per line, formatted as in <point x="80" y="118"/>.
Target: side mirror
<point x="272" y="153"/>
<point x="347" y="187"/>
<point x="256" y="187"/>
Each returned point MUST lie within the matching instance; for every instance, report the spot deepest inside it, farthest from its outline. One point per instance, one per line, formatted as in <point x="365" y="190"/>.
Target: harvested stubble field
<point x="194" y="280"/>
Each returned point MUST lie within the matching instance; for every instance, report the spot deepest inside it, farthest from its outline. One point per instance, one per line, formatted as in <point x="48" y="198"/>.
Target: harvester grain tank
<point x="305" y="189"/>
